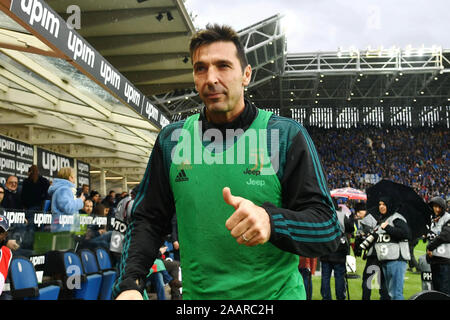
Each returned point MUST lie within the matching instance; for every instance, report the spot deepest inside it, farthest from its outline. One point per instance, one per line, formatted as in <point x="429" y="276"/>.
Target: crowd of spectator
<point x="416" y="157"/>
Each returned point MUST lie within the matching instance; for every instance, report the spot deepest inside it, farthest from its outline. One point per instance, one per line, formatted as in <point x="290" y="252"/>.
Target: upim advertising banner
<point x="49" y="163"/>
<point x="44" y="20"/>
<point x="15" y="158"/>
<point x="83" y="175"/>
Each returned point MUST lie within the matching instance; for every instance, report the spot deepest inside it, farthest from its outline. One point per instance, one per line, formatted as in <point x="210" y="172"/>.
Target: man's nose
<point x="212" y="77"/>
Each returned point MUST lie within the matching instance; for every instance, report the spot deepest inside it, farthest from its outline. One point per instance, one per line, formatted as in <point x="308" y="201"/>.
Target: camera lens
<point x="368" y="242"/>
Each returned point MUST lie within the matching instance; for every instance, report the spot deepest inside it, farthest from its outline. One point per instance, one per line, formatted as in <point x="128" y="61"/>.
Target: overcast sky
<point x="325" y="25"/>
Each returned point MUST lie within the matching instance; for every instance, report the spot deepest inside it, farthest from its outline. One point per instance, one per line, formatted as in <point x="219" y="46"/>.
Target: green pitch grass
<point x="412" y="285"/>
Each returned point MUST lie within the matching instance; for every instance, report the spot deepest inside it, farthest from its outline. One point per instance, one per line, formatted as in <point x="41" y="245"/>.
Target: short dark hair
<point x="93" y="193"/>
<point x="214" y="33"/>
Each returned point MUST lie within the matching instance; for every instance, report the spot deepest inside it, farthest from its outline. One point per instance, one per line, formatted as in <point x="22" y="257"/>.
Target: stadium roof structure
<point x="409" y="86"/>
<point x="146" y="40"/>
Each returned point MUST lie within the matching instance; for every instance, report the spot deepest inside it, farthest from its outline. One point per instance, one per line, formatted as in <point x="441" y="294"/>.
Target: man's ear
<point x="247" y="76"/>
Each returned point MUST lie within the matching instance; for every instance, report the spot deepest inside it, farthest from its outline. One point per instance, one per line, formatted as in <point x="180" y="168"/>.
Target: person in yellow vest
<point x="247" y="187"/>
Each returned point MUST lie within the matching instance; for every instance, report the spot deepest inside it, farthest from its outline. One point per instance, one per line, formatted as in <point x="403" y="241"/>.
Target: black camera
<point x="369" y="241"/>
<point x="357" y="249"/>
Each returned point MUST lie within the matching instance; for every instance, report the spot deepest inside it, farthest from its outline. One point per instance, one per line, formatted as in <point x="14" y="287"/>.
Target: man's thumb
<point x="229" y="198"/>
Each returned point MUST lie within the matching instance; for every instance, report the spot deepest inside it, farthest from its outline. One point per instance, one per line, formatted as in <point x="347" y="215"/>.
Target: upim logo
<point x="151" y="111"/>
<point x="53" y="163"/>
<point x="8" y="145"/>
<point x="42" y="218"/>
<point x="83" y="180"/>
<point x="8" y="164"/>
<point x="109" y="75"/>
<point x="80" y="49"/>
<point x="15" y="217"/>
<point x="85" y="220"/>
<point x="39" y="14"/>
<point x="24" y="150"/>
<point x="22" y="167"/>
<point x="65" y="219"/>
<point x="100" y="221"/>
<point x="37" y="260"/>
<point x="83" y="168"/>
<point x="132" y="94"/>
<point x="164" y="121"/>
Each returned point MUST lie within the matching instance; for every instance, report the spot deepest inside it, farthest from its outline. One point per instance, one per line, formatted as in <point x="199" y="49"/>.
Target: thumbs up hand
<point x="249" y="224"/>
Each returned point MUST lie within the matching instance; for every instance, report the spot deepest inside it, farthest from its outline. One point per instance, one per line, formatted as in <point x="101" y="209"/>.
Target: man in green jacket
<point x="247" y="187"/>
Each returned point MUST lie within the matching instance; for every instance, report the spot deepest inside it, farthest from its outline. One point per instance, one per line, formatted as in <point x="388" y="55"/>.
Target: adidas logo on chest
<point x="181" y="176"/>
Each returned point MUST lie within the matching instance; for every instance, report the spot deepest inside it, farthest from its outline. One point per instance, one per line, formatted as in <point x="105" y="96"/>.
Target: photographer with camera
<point x="366" y="224"/>
<point x="392" y="247"/>
<point x="438" y="248"/>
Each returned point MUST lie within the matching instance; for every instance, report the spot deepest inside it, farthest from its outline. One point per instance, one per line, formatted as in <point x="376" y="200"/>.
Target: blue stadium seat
<point x="89" y="261"/>
<point x="103" y="258"/>
<point x="90" y="265"/>
<point x="24" y="283"/>
<point x="109" y="273"/>
<point x="170" y="249"/>
<point x="88" y="284"/>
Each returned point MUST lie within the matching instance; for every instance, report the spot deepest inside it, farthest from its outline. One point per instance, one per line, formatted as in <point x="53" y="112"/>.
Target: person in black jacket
<point x="336" y="261"/>
<point x="438" y="248"/>
<point x="17" y="232"/>
<point x="10" y="243"/>
<point x="392" y="247"/>
<point x="12" y="198"/>
<point x="367" y="223"/>
<point x="98" y="235"/>
<point x="34" y="189"/>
